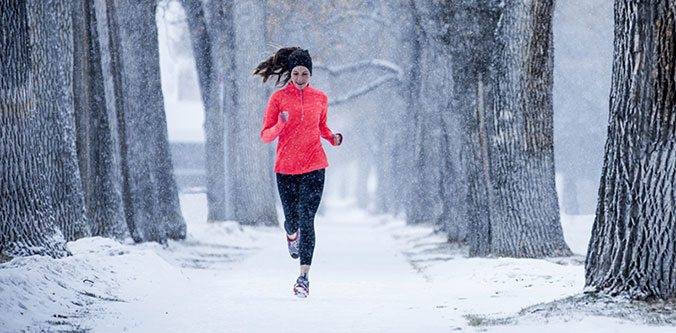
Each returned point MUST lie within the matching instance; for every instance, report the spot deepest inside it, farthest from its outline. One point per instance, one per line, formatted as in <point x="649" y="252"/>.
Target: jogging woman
<point x="296" y="114"/>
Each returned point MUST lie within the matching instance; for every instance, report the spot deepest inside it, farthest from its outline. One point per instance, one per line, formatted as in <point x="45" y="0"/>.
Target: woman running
<point x="296" y="114"/>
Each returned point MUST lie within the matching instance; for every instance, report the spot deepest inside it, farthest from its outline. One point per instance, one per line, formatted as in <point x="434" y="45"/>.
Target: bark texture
<point x="42" y="202"/>
<point x="150" y="195"/>
<point x="97" y="140"/>
<point x="633" y="245"/>
<point x="472" y="44"/>
<point x="426" y="201"/>
<point x="436" y="96"/>
<point x="526" y="220"/>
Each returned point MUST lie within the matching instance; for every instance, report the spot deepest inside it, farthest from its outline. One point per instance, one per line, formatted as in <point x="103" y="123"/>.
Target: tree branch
<point x="377" y="63"/>
<point x="355" y="14"/>
<point x="363" y="90"/>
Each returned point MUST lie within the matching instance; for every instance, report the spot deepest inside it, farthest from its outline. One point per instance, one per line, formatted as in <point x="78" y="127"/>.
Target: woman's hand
<point x="284" y="115"/>
<point x="337" y="139"/>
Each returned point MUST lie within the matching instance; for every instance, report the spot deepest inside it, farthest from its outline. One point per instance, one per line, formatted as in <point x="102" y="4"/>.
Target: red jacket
<point x="299" y="149"/>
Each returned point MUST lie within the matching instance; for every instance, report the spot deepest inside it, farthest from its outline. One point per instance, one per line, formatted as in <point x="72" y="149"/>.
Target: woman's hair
<point x="277" y="64"/>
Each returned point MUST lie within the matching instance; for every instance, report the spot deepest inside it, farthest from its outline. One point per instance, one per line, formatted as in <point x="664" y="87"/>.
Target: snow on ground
<point x="370" y="274"/>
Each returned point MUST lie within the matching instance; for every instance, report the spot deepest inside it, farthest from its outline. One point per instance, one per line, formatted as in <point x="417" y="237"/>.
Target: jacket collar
<point x="292" y="87"/>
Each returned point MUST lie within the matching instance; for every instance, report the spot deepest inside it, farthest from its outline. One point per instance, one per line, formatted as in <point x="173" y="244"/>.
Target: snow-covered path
<point x="370" y="274"/>
<point x="359" y="282"/>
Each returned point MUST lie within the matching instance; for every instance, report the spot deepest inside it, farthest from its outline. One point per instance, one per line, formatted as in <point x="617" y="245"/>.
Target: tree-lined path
<point x="370" y="274"/>
<point x="359" y="282"/>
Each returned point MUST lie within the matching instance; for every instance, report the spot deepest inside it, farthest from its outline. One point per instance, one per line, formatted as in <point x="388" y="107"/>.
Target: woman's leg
<point x="289" y="190"/>
<point x="311" y="189"/>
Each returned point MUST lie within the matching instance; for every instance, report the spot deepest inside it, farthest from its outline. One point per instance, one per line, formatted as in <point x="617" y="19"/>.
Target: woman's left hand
<point x="337" y="139"/>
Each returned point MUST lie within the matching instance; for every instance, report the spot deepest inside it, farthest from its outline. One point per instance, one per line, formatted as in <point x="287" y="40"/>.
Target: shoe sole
<point x="300" y="292"/>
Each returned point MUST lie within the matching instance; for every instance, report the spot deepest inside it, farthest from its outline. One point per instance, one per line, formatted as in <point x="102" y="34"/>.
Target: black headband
<point x="300" y="57"/>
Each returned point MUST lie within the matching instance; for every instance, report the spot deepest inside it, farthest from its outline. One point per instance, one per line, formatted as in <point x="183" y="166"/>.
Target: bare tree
<point x="206" y="51"/>
<point x="472" y="43"/>
<point x="97" y="140"/>
<point x="42" y="203"/>
<point x="484" y="148"/>
<point x="632" y="249"/>
<point x="252" y="194"/>
<point x="239" y="185"/>
<point x="133" y="88"/>
<point x="426" y="198"/>
<point x="526" y="221"/>
<point x="438" y="189"/>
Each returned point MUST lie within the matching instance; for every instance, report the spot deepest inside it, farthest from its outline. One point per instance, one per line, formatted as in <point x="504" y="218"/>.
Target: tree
<point x="42" y="204"/>
<point x="526" y="222"/>
<point x="486" y="172"/>
<point x="426" y="203"/>
<point x="632" y="244"/>
<point x="133" y="89"/>
<point x="239" y="182"/>
<point x="252" y="192"/>
<point x="438" y="190"/>
<point x="97" y="140"/>
<point x="472" y="43"/>
<point x="206" y="51"/>
<point x="73" y="87"/>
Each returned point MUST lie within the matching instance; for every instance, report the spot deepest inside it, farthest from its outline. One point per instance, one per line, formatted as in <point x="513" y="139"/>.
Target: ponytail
<point x="276" y="64"/>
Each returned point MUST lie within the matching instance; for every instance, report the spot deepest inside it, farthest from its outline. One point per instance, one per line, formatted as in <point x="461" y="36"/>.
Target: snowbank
<point x="40" y="293"/>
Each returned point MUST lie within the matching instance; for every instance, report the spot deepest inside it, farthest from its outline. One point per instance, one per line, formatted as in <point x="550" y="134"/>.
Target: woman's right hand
<point x="284" y="115"/>
<point x="337" y="139"/>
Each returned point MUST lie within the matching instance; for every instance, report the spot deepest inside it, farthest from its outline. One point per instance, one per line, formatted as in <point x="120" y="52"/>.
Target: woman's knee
<point x="307" y="225"/>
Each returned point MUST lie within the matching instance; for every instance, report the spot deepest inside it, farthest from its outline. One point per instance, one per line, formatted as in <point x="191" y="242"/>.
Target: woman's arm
<point x="272" y="121"/>
<point x="325" y="131"/>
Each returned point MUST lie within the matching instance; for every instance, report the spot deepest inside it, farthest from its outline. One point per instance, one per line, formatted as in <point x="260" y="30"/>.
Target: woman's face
<point x="300" y="76"/>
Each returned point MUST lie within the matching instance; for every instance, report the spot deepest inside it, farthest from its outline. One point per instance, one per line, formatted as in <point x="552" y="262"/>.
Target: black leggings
<point x="300" y="196"/>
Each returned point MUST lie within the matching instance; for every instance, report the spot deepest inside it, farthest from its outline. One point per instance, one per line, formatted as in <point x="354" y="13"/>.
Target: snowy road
<point x="359" y="282"/>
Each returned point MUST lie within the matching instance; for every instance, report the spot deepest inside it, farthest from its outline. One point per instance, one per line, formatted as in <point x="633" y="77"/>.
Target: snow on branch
<point x="363" y="90"/>
<point x="355" y="14"/>
<point x="377" y="63"/>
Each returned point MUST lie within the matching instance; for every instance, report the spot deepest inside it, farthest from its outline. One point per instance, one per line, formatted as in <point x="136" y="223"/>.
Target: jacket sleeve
<point x="272" y="122"/>
<point x="324" y="130"/>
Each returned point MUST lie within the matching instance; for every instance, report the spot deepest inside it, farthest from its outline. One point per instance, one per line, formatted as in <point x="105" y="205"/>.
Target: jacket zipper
<point x="302" y="111"/>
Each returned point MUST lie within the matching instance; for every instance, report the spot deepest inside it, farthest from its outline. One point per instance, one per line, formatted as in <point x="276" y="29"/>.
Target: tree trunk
<point x="39" y="172"/>
<point x="223" y="19"/>
<point x="207" y="64"/>
<point x="97" y="138"/>
<point x="477" y="158"/>
<point x="149" y="189"/>
<point x="253" y="186"/>
<point x="404" y="152"/>
<point x="472" y="43"/>
<point x="426" y="205"/>
<point x="570" y="202"/>
<point x="439" y="187"/>
<point x="438" y="94"/>
<point x="526" y="220"/>
<point x="633" y="245"/>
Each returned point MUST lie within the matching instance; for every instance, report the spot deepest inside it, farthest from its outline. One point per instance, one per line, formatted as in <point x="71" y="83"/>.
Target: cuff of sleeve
<point x="279" y="125"/>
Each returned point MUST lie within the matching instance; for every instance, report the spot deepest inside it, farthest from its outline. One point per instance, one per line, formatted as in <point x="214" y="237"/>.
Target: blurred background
<point x="339" y="33"/>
